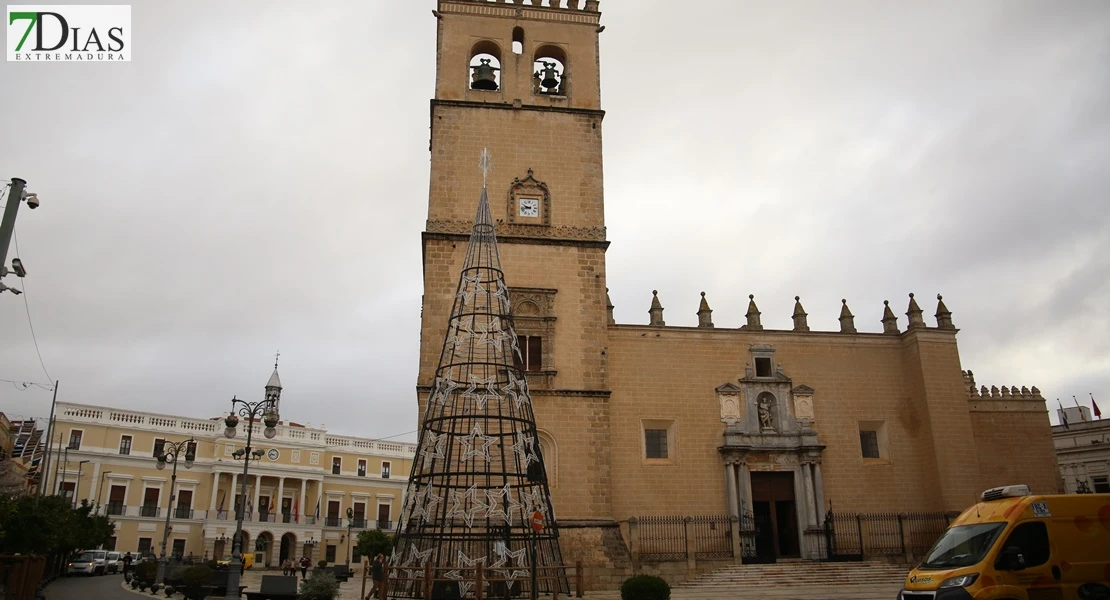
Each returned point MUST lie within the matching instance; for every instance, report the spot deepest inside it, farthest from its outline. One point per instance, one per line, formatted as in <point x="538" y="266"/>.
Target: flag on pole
<point x="296" y="510"/>
<point x="222" y="496"/>
<point x="1082" y="417"/>
<point x="1098" y="413"/>
<point x="1063" y="415"/>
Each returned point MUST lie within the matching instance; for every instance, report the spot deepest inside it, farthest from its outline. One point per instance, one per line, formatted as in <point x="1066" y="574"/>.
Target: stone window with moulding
<point x="658" y="439"/>
<point x="533" y="311"/>
<point x="874" y="442"/>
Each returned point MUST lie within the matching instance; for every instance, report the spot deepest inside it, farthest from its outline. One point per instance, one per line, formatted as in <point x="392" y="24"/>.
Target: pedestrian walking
<point x="304" y="567"/>
<point x="377" y="574"/>
<point x="127" y="559"/>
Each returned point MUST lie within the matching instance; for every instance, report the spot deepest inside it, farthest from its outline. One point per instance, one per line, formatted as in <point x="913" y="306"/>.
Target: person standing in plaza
<point x="377" y="574"/>
<point x="304" y="567"/>
<point x="127" y="560"/>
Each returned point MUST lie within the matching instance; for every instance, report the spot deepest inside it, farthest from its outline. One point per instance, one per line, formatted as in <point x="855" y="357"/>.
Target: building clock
<point x="273" y="454"/>
<point x="529" y="207"/>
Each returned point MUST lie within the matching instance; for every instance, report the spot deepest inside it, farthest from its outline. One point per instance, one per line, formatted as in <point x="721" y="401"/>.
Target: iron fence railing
<point x="873" y="535"/>
<point x="662" y="538"/>
<point x="712" y="536"/>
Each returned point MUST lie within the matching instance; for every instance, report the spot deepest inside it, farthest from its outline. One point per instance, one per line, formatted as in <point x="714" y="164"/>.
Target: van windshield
<point x="962" y="546"/>
<point x="87" y="557"/>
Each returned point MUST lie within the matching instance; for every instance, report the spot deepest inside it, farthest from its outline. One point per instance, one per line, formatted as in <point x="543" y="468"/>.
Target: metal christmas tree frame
<point x="478" y="475"/>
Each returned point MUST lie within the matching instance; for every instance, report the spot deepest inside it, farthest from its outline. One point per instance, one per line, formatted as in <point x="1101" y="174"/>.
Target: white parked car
<point x="114" y="562"/>
<point x="91" y="562"/>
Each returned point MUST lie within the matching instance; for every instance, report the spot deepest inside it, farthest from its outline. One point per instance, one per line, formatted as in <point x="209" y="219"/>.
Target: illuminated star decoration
<point x="510" y="388"/>
<point x="504" y="554"/>
<point x="426" y="503"/>
<point x="467" y="563"/>
<point x="406" y="506"/>
<point x="459" y="505"/>
<point x="443" y="389"/>
<point x="487" y="393"/>
<point x="434" y="446"/>
<point x="502" y="504"/>
<point x="490" y="333"/>
<point x="462" y="333"/>
<point x="533" y="501"/>
<point x="526" y="449"/>
<point x="468" y="292"/>
<point x="468" y="444"/>
<point x="417" y="558"/>
<point x="502" y="295"/>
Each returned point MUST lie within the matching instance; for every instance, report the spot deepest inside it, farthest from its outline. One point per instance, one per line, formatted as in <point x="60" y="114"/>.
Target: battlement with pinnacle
<point x="577" y="11"/>
<point x="1012" y="393"/>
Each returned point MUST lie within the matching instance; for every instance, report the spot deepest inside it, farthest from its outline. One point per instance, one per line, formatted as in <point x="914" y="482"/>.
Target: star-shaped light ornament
<point x="406" y="505"/>
<point x="482" y="390"/>
<point x="425" y="505"/>
<point x="504" y="554"/>
<point x="470" y="443"/>
<point x="468" y="511"/>
<point x="526" y="449"/>
<point x="417" y="558"/>
<point x="490" y="333"/>
<point x="534" y="501"/>
<point x="434" y="446"/>
<point x="502" y="295"/>
<point x="443" y="389"/>
<point x="468" y="286"/>
<point x="502" y="504"/>
<point x="467" y="563"/>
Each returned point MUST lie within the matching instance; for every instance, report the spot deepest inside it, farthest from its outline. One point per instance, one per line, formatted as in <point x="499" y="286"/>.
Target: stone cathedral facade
<point x="650" y="419"/>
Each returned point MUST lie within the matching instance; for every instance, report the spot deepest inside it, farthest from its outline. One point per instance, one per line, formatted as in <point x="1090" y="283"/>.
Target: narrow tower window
<point x="485" y="66"/>
<point x="518" y="40"/>
<point x="549" y="71"/>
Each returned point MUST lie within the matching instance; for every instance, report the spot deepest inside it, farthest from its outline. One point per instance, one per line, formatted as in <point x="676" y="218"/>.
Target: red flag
<point x="1098" y="413"/>
<point x="296" y="511"/>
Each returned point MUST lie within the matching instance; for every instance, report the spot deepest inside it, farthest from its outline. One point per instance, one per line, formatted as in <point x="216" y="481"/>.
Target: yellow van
<point x="1016" y="546"/>
<point x="248" y="561"/>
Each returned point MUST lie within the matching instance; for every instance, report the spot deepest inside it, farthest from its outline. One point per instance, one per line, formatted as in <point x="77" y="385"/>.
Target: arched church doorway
<point x="288" y="547"/>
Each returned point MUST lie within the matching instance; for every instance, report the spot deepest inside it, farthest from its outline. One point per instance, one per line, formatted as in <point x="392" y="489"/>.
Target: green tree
<point x="372" y="542"/>
<point x="49" y="525"/>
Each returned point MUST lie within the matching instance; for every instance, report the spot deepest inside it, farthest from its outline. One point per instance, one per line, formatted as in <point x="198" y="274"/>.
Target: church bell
<point x="549" y="74"/>
<point x="484" y="77"/>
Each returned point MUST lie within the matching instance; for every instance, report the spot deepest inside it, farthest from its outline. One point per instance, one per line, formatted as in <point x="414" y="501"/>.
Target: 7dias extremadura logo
<point x="95" y="33"/>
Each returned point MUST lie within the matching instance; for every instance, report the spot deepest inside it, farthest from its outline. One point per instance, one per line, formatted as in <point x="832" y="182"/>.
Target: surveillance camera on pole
<point x="32" y="200"/>
<point x="4" y="288"/>
<point x="17" y="267"/>
<point x="17" y="193"/>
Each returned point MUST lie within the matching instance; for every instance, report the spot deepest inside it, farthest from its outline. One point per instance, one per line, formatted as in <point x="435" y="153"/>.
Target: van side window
<point x="1032" y="538"/>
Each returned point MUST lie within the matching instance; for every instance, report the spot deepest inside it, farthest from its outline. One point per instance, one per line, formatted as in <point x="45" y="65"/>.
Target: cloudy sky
<point x="256" y="179"/>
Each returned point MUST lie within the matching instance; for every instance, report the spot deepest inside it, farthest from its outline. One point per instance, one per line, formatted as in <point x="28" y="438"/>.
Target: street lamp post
<point x="100" y="489"/>
<point x="77" y="486"/>
<point x="266" y="411"/>
<point x="170" y="452"/>
<point x="350" y="523"/>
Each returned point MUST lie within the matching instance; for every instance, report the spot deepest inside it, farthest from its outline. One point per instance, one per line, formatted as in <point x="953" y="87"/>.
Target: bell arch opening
<point x="550" y="71"/>
<point x="485" y="66"/>
<point x="518" y="40"/>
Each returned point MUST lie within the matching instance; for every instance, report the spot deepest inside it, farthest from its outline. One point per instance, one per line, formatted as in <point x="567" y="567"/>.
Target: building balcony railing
<point x="310" y="520"/>
<point x="183" y="512"/>
<point x="333" y="522"/>
<point x="359" y="523"/>
<point x="387" y="525"/>
<point x="267" y="517"/>
<point x="115" y="508"/>
<point x="288" y="518"/>
<point x="148" y="511"/>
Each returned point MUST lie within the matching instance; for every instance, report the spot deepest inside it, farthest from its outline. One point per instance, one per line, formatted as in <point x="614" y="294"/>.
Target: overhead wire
<point x="27" y="309"/>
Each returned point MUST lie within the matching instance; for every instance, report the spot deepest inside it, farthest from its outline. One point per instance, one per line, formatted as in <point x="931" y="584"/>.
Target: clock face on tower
<point x="529" y="207"/>
<point x="273" y="454"/>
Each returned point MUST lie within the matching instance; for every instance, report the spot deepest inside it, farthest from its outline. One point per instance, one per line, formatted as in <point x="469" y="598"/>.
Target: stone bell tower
<point x="522" y="79"/>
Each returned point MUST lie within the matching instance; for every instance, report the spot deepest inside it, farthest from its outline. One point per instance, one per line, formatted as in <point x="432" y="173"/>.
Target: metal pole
<point x="7" y="224"/>
<point x="65" y="466"/>
<point x="100" y="489"/>
<point x="236" y="565"/>
<point x="160" y="575"/>
<point x="535" y="538"/>
<point x="77" y="484"/>
<point x="54" y="485"/>
<point x="44" y="469"/>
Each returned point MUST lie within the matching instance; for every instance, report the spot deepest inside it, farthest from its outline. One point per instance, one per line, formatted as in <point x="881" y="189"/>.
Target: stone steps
<point x="801" y="574"/>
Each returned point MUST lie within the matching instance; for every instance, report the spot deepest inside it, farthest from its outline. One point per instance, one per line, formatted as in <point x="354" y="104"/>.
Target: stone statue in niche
<point x="766" y="414"/>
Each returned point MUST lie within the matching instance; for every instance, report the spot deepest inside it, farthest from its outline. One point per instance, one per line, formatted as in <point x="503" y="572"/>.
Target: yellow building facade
<point x="297" y="493"/>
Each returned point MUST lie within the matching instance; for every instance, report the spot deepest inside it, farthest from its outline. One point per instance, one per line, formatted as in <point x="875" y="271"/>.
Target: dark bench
<point x="275" y="587"/>
<point x="342" y="573"/>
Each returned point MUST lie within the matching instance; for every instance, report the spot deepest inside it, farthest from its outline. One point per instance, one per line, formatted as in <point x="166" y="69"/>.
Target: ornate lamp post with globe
<point x="266" y="411"/>
<point x="170" y="452"/>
